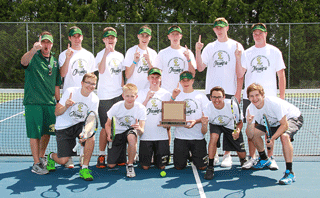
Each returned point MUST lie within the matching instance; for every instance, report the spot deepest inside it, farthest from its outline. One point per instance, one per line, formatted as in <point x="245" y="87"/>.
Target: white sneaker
<point x="226" y="161"/>
<point x="249" y="163"/>
<point x="130" y="170"/>
<point x="216" y="159"/>
<point x="81" y="157"/>
<point x="273" y="165"/>
<point x="43" y="161"/>
<point x="69" y="164"/>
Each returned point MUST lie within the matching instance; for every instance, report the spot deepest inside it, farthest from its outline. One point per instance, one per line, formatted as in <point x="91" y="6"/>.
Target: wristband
<point x="134" y="62"/>
<point x="189" y="60"/>
<point x="172" y="99"/>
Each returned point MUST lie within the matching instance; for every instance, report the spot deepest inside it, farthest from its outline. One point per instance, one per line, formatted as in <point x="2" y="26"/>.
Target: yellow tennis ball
<point x="163" y="173"/>
<point x="24" y="114"/>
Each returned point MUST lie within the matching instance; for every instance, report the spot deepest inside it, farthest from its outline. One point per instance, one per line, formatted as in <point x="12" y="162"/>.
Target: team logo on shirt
<point x="154" y="109"/>
<point x="176" y="65"/>
<point x="51" y="128"/>
<point x="79" y="67"/>
<point x="220" y="58"/>
<point x="78" y="111"/>
<point x="114" y="66"/>
<point x="191" y="106"/>
<point x="126" y="121"/>
<point x="144" y="67"/>
<point x="273" y="122"/>
<point x="221" y="120"/>
<point x="259" y="64"/>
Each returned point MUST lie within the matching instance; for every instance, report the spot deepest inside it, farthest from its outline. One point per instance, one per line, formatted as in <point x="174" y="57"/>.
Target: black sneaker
<point x="101" y="162"/>
<point x="209" y="173"/>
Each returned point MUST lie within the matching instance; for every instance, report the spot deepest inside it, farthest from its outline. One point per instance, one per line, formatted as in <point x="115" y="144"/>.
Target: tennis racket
<point x="267" y="125"/>
<point x="113" y="131"/>
<point x="89" y="129"/>
<point x="235" y="105"/>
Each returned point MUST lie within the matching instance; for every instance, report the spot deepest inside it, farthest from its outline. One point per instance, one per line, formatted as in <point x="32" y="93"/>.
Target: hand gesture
<point x="146" y="56"/>
<point x="186" y="53"/>
<point x="137" y="127"/>
<point x="176" y="92"/>
<point x="136" y="56"/>
<point x="37" y="45"/>
<point x="249" y="117"/>
<point x="204" y="120"/>
<point x="69" y="101"/>
<point x="190" y="123"/>
<point x="238" y="52"/>
<point x="199" y="45"/>
<point x="150" y="94"/>
<point x="69" y="52"/>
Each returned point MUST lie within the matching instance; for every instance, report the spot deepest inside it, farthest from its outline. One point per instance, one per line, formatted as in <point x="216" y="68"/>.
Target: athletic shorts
<point x="104" y="106"/>
<point x="40" y="120"/>
<point x="117" y="154"/>
<point x="198" y="149"/>
<point x="227" y="96"/>
<point x="229" y="144"/>
<point x="294" y="125"/>
<point x="159" y="149"/>
<point x="66" y="140"/>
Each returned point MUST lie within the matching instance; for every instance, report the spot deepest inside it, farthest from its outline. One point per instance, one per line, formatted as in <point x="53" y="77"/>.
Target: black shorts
<point x="229" y="144"/>
<point x="294" y="125"/>
<point x="66" y="140"/>
<point x="160" y="149"/>
<point x="104" y="106"/>
<point x="198" y="149"/>
<point x="117" y="154"/>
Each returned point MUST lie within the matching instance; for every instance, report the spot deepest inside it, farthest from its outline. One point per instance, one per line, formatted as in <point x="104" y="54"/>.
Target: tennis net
<point x="14" y="141"/>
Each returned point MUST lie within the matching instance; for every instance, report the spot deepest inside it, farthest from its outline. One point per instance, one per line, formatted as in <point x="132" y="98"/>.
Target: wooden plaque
<point x="173" y="114"/>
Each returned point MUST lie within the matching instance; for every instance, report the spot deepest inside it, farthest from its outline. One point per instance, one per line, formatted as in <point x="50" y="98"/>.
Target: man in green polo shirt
<point x="42" y="81"/>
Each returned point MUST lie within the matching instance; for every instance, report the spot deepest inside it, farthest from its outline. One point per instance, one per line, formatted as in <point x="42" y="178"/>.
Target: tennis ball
<point x="163" y="173"/>
<point x="24" y="114"/>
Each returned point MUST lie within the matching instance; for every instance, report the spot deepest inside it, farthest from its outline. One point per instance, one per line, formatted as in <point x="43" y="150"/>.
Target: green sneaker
<point x="51" y="165"/>
<point x="85" y="174"/>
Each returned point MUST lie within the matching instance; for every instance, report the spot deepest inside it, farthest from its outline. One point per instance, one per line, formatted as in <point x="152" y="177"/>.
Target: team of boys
<point x="168" y="75"/>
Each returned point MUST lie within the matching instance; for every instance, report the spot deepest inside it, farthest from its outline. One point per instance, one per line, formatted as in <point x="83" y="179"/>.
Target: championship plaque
<point x="173" y="114"/>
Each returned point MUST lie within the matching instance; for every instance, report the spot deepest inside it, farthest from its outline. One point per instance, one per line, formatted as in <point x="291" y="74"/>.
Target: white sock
<point x="102" y="152"/>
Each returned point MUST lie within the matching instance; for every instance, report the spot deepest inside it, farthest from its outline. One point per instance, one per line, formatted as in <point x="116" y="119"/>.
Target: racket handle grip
<point x="109" y="145"/>
<point x="76" y="147"/>
<point x="268" y="141"/>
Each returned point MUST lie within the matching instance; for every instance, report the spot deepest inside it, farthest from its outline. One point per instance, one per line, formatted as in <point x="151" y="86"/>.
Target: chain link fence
<point x="299" y="43"/>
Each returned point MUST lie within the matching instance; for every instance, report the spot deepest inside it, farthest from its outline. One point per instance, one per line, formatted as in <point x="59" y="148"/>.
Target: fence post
<point x="289" y="56"/>
<point x="27" y="37"/>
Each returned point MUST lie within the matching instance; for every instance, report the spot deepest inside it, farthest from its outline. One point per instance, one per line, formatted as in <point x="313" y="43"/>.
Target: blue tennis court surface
<point x="16" y="180"/>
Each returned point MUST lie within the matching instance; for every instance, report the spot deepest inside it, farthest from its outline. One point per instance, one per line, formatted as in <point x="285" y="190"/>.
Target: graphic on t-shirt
<point x="221" y="120"/>
<point x="126" y="121"/>
<point x="144" y="67"/>
<point x="272" y="121"/>
<point x="114" y="66"/>
<point x="191" y="106"/>
<point x="176" y="65"/>
<point x="79" y="67"/>
<point x="259" y="64"/>
<point x="221" y="58"/>
<point x="51" y="128"/>
<point x="154" y="110"/>
<point x="78" y="111"/>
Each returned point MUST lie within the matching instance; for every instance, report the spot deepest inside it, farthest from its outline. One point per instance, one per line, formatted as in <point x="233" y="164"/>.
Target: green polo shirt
<point x="39" y="87"/>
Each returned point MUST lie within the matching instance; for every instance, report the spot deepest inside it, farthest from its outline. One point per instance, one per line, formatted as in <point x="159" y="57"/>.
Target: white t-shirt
<point x="222" y="117"/>
<point x="126" y="117"/>
<point x="109" y="84"/>
<point x="221" y="65"/>
<point x="195" y="104"/>
<point x="81" y="62"/>
<point x="140" y="73"/>
<point x="173" y="62"/>
<point x="262" y="65"/>
<point x="79" y="110"/>
<point x="152" y="132"/>
<point x="274" y="108"/>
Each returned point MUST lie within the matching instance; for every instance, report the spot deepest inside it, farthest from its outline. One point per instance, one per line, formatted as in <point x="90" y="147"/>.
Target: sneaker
<point x="261" y="164"/>
<point x="51" y="165"/>
<point x="226" y="161"/>
<point x="209" y="173"/>
<point x="288" y="178"/>
<point x="81" y="157"/>
<point x="216" y="159"/>
<point x="249" y="163"/>
<point x="130" y="171"/>
<point x="85" y="174"/>
<point x="69" y="163"/>
<point x="101" y="162"/>
<point x="39" y="169"/>
<point x="273" y="165"/>
<point x="43" y="161"/>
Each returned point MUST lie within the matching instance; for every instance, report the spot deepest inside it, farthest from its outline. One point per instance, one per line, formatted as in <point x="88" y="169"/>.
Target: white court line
<point x="11" y="117"/>
<point x="199" y="184"/>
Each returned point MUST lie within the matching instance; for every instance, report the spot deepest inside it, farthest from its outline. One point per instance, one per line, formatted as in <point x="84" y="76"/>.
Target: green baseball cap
<point x="186" y="75"/>
<point x="220" y="23"/>
<point x="110" y="33"/>
<point x="175" y="28"/>
<point x="145" y="30"/>
<point x="259" y="27"/>
<point x="48" y="37"/>
<point x="75" y="31"/>
<point x="154" y="71"/>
